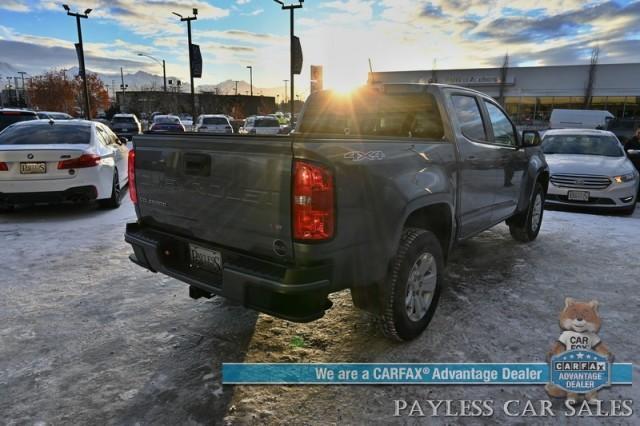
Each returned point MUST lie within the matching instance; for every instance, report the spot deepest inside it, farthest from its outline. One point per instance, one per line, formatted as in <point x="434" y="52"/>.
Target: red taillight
<point x="132" y="177"/>
<point x="313" y="202"/>
<point x="85" y="160"/>
<point x="4" y="167"/>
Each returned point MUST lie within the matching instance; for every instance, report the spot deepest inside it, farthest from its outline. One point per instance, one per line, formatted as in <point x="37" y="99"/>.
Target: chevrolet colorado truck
<point x="370" y="193"/>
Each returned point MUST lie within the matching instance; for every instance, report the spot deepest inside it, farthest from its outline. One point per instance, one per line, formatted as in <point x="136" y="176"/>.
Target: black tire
<point x="525" y="227"/>
<point x="113" y="202"/>
<point x="395" y="321"/>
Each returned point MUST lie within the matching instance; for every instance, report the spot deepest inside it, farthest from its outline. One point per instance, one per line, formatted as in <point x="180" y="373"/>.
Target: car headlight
<point x="625" y="178"/>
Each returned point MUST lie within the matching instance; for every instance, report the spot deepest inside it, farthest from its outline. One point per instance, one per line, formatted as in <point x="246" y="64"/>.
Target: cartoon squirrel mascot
<point x="580" y="323"/>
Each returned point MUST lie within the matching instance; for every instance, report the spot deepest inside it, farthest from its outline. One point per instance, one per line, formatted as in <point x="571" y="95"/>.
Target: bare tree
<point x="503" y="78"/>
<point x="588" y="94"/>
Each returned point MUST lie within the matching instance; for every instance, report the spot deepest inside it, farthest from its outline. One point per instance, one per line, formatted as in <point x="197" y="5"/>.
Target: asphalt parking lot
<point x="88" y="337"/>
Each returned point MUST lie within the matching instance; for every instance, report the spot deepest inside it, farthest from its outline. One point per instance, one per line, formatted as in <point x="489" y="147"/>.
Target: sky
<point x="341" y="35"/>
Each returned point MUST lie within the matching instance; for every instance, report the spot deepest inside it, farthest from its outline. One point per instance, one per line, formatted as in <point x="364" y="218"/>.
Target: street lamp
<point x="250" y="78"/>
<point x="164" y="69"/>
<point x="291" y="8"/>
<point x="188" y="20"/>
<point x="285" y="90"/>
<point x="80" y="50"/>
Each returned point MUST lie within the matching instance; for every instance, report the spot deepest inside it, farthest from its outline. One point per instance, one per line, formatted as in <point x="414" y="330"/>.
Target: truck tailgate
<point x="227" y="191"/>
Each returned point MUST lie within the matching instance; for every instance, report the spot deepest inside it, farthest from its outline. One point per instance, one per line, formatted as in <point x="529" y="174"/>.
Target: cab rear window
<point x="371" y="113"/>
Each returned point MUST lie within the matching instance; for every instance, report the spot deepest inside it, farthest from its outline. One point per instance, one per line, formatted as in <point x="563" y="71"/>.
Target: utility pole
<point x="236" y="81"/>
<point x="250" y="78"/>
<point x="285" y="90"/>
<point x="188" y="21"/>
<point x="291" y="8"/>
<point x="80" y="50"/>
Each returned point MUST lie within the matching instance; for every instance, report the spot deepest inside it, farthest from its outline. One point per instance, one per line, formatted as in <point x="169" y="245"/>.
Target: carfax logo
<point x="579" y="361"/>
<point x="579" y="371"/>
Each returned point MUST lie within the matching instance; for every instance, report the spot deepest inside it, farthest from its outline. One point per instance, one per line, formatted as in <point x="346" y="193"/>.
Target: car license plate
<point x="33" y="168"/>
<point x="578" y="195"/>
<point x="209" y="260"/>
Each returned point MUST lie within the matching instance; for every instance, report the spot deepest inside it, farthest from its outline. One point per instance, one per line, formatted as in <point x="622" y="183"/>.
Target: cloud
<point x="254" y="12"/>
<point x="244" y="36"/>
<point x="32" y="57"/>
<point x="145" y="17"/>
<point x="14" y="5"/>
<point x="241" y="2"/>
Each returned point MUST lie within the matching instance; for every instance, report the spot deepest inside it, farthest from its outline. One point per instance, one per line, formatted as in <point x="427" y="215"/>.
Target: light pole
<point x="291" y="8"/>
<point x="24" y="90"/>
<point x="250" y="78"/>
<point x="285" y="90"/>
<point x="236" y="87"/>
<point x="80" y="49"/>
<point x="188" y="20"/>
<point x="164" y="68"/>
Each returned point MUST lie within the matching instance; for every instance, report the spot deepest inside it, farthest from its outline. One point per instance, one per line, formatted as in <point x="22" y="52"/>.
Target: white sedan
<point x="45" y="161"/>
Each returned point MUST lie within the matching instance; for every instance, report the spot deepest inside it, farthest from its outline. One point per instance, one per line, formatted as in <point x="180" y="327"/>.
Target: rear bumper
<point x="80" y="193"/>
<point x="293" y="293"/>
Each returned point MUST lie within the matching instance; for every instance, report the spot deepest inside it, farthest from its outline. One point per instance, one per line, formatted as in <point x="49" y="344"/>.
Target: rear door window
<point x="469" y="116"/>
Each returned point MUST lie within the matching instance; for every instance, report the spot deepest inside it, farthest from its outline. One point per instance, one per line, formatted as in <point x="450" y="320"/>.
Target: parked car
<point x="579" y="119"/>
<point x="213" y="123"/>
<point x="261" y="125"/>
<point x="624" y="128"/>
<point x="370" y="194"/>
<point x="236" y="124"/>
<point x="9" y="116"/>
<point x="46" y="161"/>
<point x="589" y="168"/>
<point x="187" y="121"/>
<point x="166" y="123"/>
<point x="50" y="115"/>
<point x="126" y="125"/>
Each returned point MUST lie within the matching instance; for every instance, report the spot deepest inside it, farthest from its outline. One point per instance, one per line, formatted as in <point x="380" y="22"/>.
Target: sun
<point x="345" y="80"/>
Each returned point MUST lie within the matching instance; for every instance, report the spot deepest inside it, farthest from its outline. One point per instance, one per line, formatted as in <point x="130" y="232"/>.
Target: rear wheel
<point x="113" y="202"/>
<point x="413" y="287"/>
<point x="525" y="227"/>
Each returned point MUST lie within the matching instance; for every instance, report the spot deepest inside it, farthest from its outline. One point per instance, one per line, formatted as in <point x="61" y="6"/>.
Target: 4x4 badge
<point x="360" y="156"/>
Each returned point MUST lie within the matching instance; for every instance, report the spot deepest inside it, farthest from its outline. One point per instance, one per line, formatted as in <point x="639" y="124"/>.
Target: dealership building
<point x="531" y="93"/>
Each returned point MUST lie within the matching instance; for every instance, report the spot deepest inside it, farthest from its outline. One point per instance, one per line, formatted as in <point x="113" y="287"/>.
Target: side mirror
<point x="123" y="140"/>
<point x="530" y="138"/>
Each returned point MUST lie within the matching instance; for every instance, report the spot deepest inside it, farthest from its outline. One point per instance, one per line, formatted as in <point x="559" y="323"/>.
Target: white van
<point x="579" y="119"/>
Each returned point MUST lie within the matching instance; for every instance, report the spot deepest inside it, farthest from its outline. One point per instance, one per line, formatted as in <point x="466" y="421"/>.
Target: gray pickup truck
<point x="370" y="194"/>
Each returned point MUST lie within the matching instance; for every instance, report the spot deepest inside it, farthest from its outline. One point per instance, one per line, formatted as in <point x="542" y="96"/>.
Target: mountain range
<point x="142" y="80"/>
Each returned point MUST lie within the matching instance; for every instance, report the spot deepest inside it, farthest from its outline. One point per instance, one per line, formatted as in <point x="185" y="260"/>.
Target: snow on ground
<point x="88" y="337"/>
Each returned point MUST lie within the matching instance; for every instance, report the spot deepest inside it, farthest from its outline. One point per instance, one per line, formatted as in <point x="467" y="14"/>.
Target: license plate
<point x="33" y="168"/>
<point x="209" y="260"/>
<point x="578" y="195"/>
